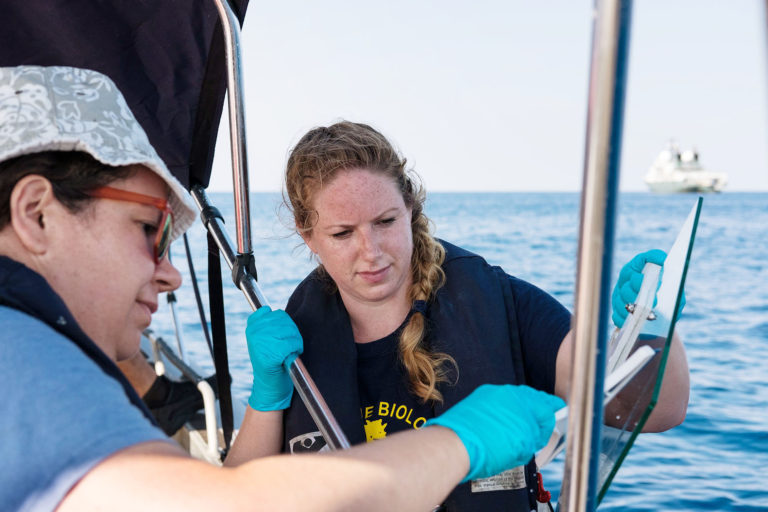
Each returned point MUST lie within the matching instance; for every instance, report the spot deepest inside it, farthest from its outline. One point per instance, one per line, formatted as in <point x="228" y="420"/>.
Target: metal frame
<point x="241" y="263"/>
<point x="236" y="110"/>
<point x="610" y="43"/>
<point x="160" y="351"/>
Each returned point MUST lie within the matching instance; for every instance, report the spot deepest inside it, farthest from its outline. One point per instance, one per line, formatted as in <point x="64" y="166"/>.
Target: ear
<point x="307" y="237"/>
<point x="31" y="199"/>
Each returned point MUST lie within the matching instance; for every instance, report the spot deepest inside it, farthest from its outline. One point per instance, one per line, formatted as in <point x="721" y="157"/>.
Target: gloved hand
<point x="273" y="343"/>
<point x="628" y="286"/>
<point x="501" y="426"/>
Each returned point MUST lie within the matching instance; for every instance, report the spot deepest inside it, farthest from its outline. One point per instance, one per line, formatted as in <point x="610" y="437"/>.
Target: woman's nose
<point x="168" y="277"/>
<point x="370" y="247"/>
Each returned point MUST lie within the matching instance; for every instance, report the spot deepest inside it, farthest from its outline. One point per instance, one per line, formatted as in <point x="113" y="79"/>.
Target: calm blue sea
<point x="718" y="458"/>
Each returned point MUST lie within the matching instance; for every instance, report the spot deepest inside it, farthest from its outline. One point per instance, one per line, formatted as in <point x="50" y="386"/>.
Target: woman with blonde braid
<point x="397" y="325"/>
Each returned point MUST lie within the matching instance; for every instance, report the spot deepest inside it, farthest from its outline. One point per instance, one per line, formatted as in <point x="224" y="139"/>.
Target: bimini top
<point x="167" y="59"/>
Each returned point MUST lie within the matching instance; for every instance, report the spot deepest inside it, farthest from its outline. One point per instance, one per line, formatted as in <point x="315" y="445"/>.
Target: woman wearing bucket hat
<point x="87" y="212"/>
<point x="85" y="113"/>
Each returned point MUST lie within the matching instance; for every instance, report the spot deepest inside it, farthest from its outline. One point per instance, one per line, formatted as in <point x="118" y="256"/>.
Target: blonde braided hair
<point x="315" y="159"/>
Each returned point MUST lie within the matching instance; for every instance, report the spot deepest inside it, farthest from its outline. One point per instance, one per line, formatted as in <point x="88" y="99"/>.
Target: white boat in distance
<point x="675" y="171"/>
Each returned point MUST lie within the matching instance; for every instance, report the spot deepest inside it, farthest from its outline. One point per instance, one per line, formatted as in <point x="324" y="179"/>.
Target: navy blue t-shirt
<point x="386" y="404"/>
<point x="542" y="324"/>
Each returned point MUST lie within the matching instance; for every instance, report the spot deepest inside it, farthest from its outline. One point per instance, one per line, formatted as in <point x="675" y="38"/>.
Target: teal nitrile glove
<point x="628" y="286"/>
<point x="273" y="343"/>
<point x="501" y="426"/>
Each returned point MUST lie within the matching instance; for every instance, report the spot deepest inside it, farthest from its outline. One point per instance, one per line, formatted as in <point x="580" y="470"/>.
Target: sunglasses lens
<point x="164" y="237"/>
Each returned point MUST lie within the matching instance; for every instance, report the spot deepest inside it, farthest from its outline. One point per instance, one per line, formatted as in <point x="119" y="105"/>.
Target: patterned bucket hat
<point x="61" y="108"/>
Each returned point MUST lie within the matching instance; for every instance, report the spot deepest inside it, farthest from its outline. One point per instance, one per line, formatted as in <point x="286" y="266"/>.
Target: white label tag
<point x="511" y="479"/>
<point x="311" y="442"/>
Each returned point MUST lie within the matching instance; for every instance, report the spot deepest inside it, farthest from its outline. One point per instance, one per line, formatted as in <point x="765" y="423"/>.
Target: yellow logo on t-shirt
<point x="402" y="415"/>
<point x="375" y="430"/>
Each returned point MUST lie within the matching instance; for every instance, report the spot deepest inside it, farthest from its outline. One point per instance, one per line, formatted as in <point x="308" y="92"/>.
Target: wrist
<point x="448" y="442"/>
<point x="262" y="402"/>
<point x="474" y="456"/>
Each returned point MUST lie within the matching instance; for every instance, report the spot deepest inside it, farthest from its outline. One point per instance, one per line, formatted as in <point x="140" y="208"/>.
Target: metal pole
<point x="304" y="384"/>
<point x="176" y="323"/>
<point x="610" y="42"/>
<point x="243" y="276"/>
<point x="765" y="20"/>
<point x="236" y="110"/>
<point x="245" y="280"/>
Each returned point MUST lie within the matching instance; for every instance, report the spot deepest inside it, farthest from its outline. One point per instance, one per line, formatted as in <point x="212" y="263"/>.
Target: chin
<point x="126" y="349"/>
<point x="379" y="297"/>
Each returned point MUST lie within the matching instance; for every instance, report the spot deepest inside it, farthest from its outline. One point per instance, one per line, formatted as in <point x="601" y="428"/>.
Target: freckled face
<point x="363" y="237"/>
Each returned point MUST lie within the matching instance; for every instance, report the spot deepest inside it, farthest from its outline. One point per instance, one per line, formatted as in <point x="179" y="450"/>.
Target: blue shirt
<point x="61" y="413"/>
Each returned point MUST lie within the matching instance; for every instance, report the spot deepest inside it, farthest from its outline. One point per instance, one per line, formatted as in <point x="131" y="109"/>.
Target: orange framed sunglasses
<point x="164" y="229"/>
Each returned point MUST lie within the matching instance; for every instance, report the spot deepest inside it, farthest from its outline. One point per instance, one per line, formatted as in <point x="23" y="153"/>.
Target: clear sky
<point x="491" y="95"/>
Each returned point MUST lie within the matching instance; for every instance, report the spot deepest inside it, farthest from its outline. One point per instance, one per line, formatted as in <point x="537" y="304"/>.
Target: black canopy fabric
<point x="166" y="56"/>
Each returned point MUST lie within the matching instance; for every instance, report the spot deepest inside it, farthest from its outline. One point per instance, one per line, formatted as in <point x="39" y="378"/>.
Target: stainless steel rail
<point x="160" y="347"/>
<point x="236" y="110"/>
<point x="176" y="324"/>
<point x="306" y="388"/>
<point x="603" y="145"/>
<point x="244" y="279"/>
<point x="304" y="384"/>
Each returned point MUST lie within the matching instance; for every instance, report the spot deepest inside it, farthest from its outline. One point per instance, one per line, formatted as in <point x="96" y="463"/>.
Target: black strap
<point x="199" y="300"/>
<point x="218" y="328"/>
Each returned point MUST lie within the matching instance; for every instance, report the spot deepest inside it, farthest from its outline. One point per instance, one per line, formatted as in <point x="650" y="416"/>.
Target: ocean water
<point x="718" y="458"/>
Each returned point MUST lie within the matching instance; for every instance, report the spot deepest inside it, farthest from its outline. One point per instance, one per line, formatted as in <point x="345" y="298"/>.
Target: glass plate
<point x="628" y="412"/>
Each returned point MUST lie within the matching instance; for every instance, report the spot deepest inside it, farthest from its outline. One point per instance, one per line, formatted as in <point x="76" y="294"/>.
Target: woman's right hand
<point x="274" y="342"/>
<point x="628" y="285"/>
